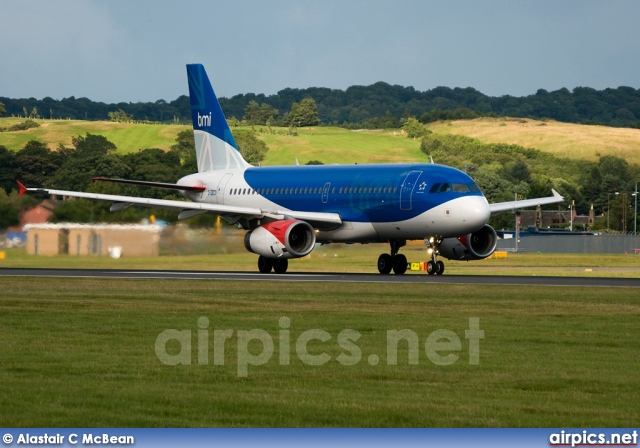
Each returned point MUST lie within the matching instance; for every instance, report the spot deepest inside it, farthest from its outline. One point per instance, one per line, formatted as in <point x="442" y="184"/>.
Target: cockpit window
<point x="473" y="188"/>
<point x="445" y="187"/>
<point x="460" y="188"/>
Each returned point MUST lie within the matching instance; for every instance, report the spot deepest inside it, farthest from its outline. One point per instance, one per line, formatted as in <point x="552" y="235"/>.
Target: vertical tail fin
<point x="215" y="147"/>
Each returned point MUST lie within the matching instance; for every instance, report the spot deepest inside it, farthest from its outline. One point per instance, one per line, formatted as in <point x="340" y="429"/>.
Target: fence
<point x="578" y="244"/>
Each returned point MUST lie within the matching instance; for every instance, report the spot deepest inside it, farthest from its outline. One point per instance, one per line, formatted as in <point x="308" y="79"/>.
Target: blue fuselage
<point x="407" y="201"/>
<point x="362" y="193"/>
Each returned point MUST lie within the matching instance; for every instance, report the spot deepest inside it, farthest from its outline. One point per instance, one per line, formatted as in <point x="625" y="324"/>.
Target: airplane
<point x="287" y="210"/>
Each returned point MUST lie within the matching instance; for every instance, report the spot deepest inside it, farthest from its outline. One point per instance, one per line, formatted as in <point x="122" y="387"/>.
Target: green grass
<point x="127" y="137"/>
<point x="231" y="256"/>
<point x="80" y="353"/>
<point x="336" y="145"/>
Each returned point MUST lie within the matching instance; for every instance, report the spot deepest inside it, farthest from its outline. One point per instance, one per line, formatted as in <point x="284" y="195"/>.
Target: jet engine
<point x="281" y="239"/>
<point x="474" y="246"/>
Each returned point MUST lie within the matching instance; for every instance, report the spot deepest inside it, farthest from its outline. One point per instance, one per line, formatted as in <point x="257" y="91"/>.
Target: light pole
<point x="635" y="210"/>
<point x="624" y="213"/>
<point x="571" y="215"/>
<point x="609" y="209"/>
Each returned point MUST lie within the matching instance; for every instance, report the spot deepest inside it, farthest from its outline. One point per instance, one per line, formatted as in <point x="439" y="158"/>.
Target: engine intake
<point x="474" y="246"/>
<point x="281" y="239"/>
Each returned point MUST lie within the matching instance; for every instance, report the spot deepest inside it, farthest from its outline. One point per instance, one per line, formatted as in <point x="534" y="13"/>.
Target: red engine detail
<point x="281" y="239"/>
<point x="474" y="246"/>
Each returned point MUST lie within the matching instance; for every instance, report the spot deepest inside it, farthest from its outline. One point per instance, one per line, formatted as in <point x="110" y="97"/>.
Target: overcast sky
<point x="121" y="50"/>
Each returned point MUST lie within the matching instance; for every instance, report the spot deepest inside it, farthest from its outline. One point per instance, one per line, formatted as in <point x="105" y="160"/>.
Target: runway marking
<point x="605" y="282"/>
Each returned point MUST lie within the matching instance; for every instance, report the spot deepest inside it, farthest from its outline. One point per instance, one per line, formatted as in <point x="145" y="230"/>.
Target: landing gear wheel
<point x="399" y="264"/>
<point x="439" y="267"/>
<point x="385" y="263"/>
<point x="431" y="268"/>
<point x="264" y="264"/>
<point x="280" y="266"/>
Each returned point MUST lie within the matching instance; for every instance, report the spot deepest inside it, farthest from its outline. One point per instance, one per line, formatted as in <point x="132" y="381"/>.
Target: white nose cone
<point x="459" y="216"/>
<point x="476" y="211"/>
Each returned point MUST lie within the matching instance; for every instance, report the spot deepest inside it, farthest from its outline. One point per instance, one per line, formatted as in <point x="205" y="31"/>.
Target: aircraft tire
<point x="264" y="264"/>
<point x="385" y="264"/>
<point x="431" y="268"/>
<point x="439" y="267"/>
<point x="399" y="264"/>
<point x="280" y="266"/>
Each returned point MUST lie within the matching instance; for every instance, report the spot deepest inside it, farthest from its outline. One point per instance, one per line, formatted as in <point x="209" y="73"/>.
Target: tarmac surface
<point x="605" y="282"/>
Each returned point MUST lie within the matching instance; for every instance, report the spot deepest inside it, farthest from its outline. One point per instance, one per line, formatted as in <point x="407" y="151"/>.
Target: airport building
<point x="93" y="239"/>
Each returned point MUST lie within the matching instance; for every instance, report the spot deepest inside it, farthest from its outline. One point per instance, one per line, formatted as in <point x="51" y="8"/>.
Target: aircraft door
<point x="221" y="185"/>
<point x="325" y="192"/>
<point x="406" y="190"/>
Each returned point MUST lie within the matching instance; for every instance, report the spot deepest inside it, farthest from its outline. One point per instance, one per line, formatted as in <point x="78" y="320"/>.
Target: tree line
<point x="379" y="105"/>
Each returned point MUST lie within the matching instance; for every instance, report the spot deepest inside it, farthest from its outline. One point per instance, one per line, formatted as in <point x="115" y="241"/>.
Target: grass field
<point x="337" y="145"/>
<point x="126" y="136"/>
<point x="231" y="256"/>
<point x="81" y="353"/>
<point x="562" y="139"/>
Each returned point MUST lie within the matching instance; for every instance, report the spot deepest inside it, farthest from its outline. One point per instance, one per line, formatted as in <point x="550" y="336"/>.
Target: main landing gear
<point x="394" y="261"/>
<point x="398" y="262"/>
<point x="279" y="265"/>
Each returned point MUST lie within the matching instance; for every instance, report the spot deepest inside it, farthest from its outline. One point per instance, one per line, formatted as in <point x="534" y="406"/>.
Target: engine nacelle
<point x="281" y="239"/>
<point x="474" y="246"/>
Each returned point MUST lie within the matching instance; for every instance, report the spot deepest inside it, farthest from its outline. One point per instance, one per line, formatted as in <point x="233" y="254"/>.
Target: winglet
<point x="22" y="189"/>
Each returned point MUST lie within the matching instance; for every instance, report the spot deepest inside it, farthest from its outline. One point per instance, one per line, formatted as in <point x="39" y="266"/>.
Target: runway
<point x="325" y="277"/>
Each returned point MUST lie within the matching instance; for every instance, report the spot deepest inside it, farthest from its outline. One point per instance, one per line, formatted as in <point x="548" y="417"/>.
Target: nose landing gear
<point x="434" y="266"/>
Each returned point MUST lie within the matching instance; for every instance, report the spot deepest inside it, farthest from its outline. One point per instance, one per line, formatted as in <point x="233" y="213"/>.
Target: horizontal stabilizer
<point x="22" y="188"/>
<point x="196" y="188"/>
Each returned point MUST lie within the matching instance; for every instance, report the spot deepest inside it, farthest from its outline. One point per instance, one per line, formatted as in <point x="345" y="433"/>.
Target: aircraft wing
<point x="188" y="208"/>
<point x="196" y="188"/>
<point x="500" y="207"/>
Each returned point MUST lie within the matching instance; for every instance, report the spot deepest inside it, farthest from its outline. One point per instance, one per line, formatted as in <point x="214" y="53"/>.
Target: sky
<point x="129" y="51"/>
